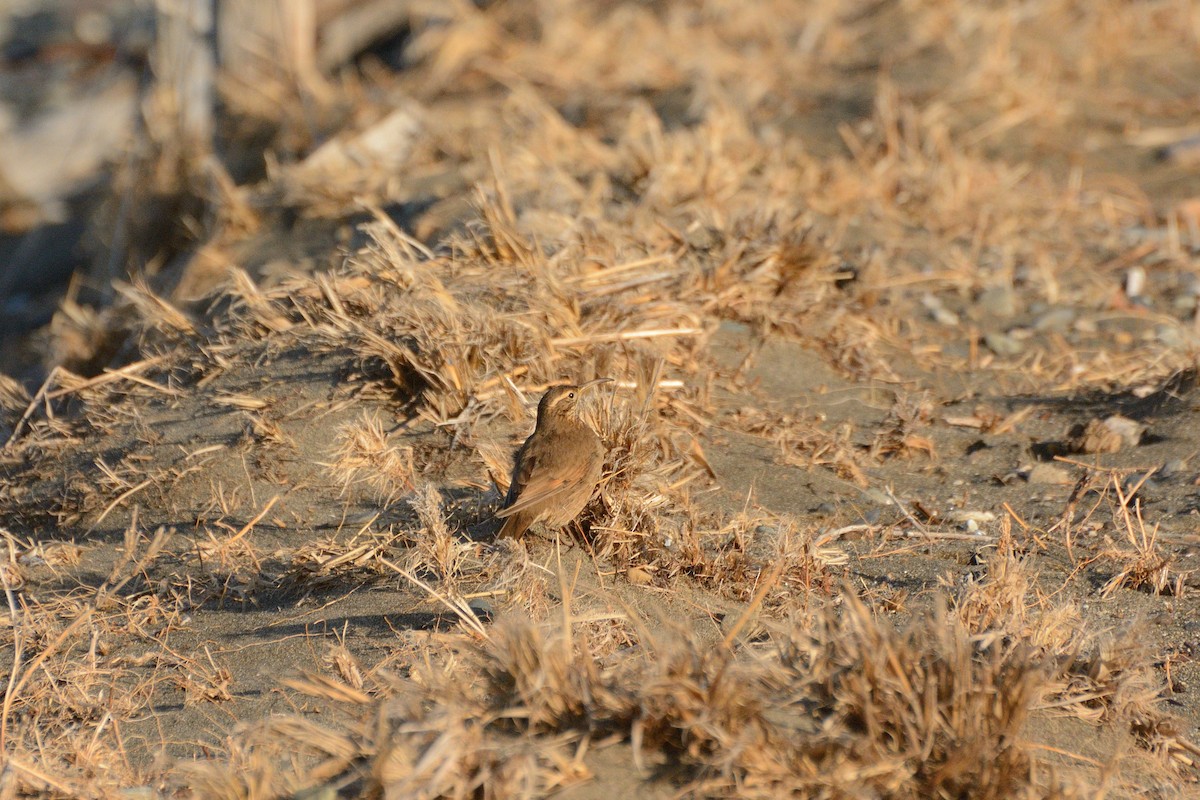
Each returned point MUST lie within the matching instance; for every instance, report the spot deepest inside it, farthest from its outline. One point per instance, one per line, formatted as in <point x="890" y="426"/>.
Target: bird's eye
<point x="571" y="395"/>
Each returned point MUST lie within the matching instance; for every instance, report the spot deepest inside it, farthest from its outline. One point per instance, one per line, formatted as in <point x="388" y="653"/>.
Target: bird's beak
<point x="595" y="382"/>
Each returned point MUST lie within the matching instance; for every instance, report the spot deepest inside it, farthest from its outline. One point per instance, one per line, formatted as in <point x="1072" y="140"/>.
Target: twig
<point x="462" y="610"/>
<point x="1067" y="753"/>
<point x="18" y="651"/>
<point x="127" y="493"/>
<point x="13" y="691"/>
<point x="246" y="528"/>
<point x="108" y="376"/>
<point x="621" y="336"/>
<point x="752" y="609"/>
<point x="904" y="510"/>
<point x="950" y="535"/>
<point x="37" y="398"/>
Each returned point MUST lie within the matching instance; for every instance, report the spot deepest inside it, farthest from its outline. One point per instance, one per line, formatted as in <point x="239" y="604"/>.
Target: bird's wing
<point x="525" y="461"/>
<point x="534" y="494"/>
<point x="551" y="481"/>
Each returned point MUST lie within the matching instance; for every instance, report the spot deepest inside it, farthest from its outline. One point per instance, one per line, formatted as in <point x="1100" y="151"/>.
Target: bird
<point x="557" y="469"/>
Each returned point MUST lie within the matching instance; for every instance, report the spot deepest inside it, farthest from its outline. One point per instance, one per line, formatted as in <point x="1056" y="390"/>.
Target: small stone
<point x="1109" y="435"/>
<point x="998" y="301"/>
<point x="1139" y="480"/>
<point x="941" y="315"/>
<point x="1184" y="303"/>
<point x="1170" y="335"/>
<point x="1135" y="282"/>
<point x="876" y="496"/>
<point x="1172" y="467"/>
<point x="639" y="576"/>
<point x="958" y="349"/>
<point x="1058" y="319"/>
<point x="1003" y="344"/>
<point x="969" y="517"/>
<point x="1049" y="475"/>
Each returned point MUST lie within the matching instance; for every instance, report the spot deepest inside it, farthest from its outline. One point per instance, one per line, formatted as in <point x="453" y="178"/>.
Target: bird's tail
<point x="514" y="527"/>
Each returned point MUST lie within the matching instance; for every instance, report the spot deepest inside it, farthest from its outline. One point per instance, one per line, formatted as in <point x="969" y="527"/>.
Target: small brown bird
<point x="558" y="467"/>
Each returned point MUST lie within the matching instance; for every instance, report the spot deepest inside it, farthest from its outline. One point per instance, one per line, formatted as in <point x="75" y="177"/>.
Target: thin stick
<point x="127" y="493"/>
<point x="257" y="519"/>
<point x="18" y="651"/>
<point x="70" y="791"/>
<point x="37" y="398"/>
<point x="464" y="612"/>
<point x="108" y="376"/>
<point x="755" y="603"/>
<point x="33" y="665"/>
<point x="622" y="336"/>
<point x="925" y="533"/>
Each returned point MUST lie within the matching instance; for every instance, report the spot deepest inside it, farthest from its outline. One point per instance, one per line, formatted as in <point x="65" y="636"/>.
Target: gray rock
<point x="1184" y="303"/>
<point x="1049" y="475"/>
<point x="1002" y="344"/>
<point x="1056" y="319"/>
<point x="998" y="301"/>
<point x="1172" y="467"/>
<point x="1172" y="336"/>
<point x="941" y="315"/>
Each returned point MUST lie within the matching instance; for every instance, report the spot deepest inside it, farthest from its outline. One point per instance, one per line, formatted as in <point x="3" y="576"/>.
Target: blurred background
<point x="161" y="143"/>
<point x="123" y="121"/>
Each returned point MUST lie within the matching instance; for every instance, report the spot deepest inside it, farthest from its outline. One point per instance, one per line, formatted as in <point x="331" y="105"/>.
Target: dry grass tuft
<point x="556" y="191"/>
<point x="1139" y="561"/>
<point x="364" y="455"/>
<point x="836" y="703"/>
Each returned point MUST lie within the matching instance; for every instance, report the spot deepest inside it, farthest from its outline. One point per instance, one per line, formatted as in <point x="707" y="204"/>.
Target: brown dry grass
<point x="624" y="179"/>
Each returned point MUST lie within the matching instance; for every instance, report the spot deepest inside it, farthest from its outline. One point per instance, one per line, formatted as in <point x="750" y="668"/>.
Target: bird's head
<point x="562" y="401"/>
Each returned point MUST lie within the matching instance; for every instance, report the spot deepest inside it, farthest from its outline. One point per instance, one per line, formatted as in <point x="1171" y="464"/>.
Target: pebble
<point x="1049" y="474"/>
<point x="998" y="301"/>
<point x="1170" y="335"/>
<point x="638" y="576"/>
<point x="876" y="496"/>
<point x="941" y="315"/>
<point x="1002" y="344"/>
<point x="1135" y="282"/>
<point x="483" y="607"/>
<point x="1172" y="467"/>
<point x="1184" y="303"/>
<point x="1058" y="319"/>
<point x="969" y="517"/>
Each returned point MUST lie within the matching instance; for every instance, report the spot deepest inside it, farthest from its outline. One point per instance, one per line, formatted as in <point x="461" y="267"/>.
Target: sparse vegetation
<point x="854" y="269"/>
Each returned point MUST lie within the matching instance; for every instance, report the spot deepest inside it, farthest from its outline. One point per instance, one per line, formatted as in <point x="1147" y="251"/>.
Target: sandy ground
<point x="921" y="302"/>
